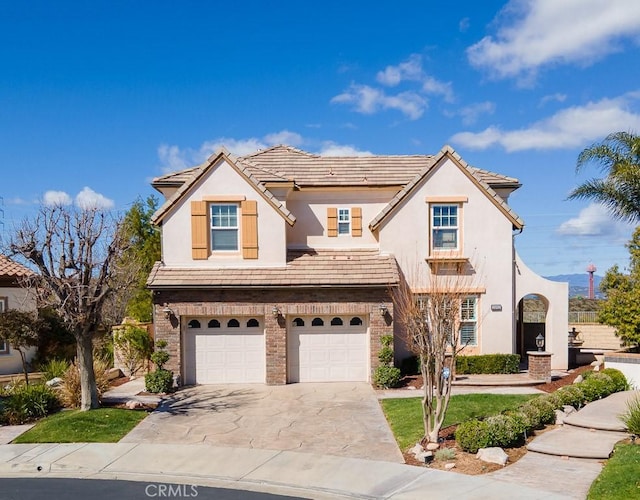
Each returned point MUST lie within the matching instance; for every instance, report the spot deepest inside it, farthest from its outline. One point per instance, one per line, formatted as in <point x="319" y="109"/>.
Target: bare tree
<point x="75" y="251"/>
<point x="20" y="329"/>
<point x="431" y="316"/>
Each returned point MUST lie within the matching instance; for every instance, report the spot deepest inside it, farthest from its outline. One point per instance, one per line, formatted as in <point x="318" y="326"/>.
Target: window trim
<point x="469" y="321"/>
<point x="236" y="228"/>
<point x="344" y="211"/>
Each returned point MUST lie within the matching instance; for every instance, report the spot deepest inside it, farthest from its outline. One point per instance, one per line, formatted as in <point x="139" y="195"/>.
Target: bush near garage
<point x="507" y="429"/>
<point x="159" y="380"/>
<point x="386" y="375"/>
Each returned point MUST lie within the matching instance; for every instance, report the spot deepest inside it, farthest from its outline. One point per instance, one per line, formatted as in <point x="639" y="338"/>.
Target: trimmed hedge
<point x="488" y="364"/>
<point x="511" y="427"/>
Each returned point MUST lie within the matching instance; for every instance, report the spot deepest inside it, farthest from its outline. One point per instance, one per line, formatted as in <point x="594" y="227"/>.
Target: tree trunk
<point x="23" y="357"/>
<point x="88" y="388"/>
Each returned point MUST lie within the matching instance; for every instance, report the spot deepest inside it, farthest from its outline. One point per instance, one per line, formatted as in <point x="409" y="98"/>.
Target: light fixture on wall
<point x="275" y="311"/>
<point x="540" y="341"/>
<point x="168" y="312"/>
<point x="383" y="309"/>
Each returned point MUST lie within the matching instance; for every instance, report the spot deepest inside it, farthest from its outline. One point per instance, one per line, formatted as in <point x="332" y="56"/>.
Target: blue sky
<point x="97" y="98"/>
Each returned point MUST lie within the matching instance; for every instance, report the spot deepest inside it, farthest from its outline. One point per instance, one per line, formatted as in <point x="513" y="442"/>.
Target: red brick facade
<point x="260" y="302"/>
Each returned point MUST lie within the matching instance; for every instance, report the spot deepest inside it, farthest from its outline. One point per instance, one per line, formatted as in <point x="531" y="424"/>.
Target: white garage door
<point x="328" y="349"/>
<point x="224" y="350"/>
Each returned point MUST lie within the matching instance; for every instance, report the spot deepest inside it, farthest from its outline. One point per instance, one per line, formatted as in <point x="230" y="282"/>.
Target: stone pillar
<point x="540" y="365"/>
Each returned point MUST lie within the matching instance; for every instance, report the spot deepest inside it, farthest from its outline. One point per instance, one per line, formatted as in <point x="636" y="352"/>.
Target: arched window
<point x="233" y="323"/>
<point x="298" y="322"/>
<point x="336" y="322"/>
<point x="194" y="323"/>
<point x="214" y="323"/>
<point x="253" y="323"/>
<point x="355" y="321"/>
<point x="317" y="322"/>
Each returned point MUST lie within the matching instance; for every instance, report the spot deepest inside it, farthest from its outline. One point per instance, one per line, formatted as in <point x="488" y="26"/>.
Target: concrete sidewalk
<point x="283" y="472"/>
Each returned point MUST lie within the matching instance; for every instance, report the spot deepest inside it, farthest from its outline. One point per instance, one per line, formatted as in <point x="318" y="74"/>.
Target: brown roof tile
<point x="11" y="269"/>
<point x="303" y="268"/>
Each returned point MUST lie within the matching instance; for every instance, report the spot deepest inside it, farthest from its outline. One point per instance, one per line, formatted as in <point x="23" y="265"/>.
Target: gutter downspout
<point x="514" y="319"/>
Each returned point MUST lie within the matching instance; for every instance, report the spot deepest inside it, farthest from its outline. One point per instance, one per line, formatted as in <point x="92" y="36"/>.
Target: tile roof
<point x="285" y="163"/>
<point x="304" y="268"/>
<point x="11" y="269"/>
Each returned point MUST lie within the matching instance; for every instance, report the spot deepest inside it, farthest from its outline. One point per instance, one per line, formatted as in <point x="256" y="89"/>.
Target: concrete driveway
<point x="343" y="419"/>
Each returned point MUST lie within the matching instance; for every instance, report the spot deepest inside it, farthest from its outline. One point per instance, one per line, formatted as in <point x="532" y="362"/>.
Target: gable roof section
<point x="11" y="271"/>
<point x="193" y="175"/>
<point x="304" y="268"/>
<point x="477" y="176"/>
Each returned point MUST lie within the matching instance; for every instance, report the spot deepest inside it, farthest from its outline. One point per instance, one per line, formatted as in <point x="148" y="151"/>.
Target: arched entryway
<point x="531" y="321"/>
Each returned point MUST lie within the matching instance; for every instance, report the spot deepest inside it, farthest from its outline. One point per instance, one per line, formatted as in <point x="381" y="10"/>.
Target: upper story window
<point x="444" y="227"/>
<point x="344" y="221"/>
<point x="224" y="227"/>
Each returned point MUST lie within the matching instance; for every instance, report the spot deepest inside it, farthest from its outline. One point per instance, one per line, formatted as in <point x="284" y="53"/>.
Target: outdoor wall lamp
<point x="540" y="341"/>
<point x="383" y="309"/>
<point x="275" y="311"/>
<point x="168" y="312"/>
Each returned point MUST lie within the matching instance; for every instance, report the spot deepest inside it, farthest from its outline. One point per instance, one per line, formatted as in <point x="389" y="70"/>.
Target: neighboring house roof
<point x="304" y="268"/>
<point x="11" y="271"/>
<point x="284" y="163"/>
<point x="193" y="175"/>
<point x="478" y="177"/>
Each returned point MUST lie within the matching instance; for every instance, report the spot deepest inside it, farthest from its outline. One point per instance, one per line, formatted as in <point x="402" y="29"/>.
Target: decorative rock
<point x="432" y="446"/>
<point x="560" y="416"/>
<point x="568" y="410"/>
<point x="132" y="405"/>
<point x="417" y="449"/>
<point x="578" y="379"/>
<point x="411" y="388"/>
<point x="449" y="466"/>
<point x="494" y="455"/>
<point x="597" y="367"/>
<point x="114" y="373"/>
<point x="54" y="382"/>
<point x="419" y="453"/>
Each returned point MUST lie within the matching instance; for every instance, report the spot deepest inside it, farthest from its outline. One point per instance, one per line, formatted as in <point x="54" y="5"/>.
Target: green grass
<point x="104" y="425"/>
<point x="620" y="477"/>
<point x="405" y="414"/>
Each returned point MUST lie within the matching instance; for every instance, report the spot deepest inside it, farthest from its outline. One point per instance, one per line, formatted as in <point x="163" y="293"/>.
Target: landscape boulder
<point x="494" y="455"/>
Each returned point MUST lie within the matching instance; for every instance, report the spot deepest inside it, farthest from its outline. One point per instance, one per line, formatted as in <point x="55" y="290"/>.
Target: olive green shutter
<point x="356" y="221"/>
<point x="249" y="229"/>
<point x="199" y="230"/>
<point x="332" y="221"/>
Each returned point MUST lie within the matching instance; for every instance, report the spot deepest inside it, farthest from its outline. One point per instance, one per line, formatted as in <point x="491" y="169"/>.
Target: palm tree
<point x="619" y="158"/>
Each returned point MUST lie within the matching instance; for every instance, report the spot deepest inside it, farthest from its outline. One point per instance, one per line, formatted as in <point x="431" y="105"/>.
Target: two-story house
<point x="278" y="266"/>
<point x="13" y="296"/>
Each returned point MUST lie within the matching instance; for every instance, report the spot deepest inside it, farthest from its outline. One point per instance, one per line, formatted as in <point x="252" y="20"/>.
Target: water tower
<point x="591" y="269"/>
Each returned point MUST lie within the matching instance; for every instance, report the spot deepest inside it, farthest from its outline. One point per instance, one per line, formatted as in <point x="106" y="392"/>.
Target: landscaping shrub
<point x="597" y="386"/>
<point x="555" y="399"/>
<point x="539" y="413"/>
<point x="506" y="430"/>
<point x="618" y="378"/>
<point x="445" y="454"/>
<point x="28" y="402"/>
<point x="54" y="368"/>
<point x="134" y="347"/>
<point x="473" y="435"/>
<point x="631" y="417"/>
<point x="488" y="364"/>
<point x="70" y="391"/>
<point x="386" y="376"/>
<point x="159" y="380"/>
<point x="571" y="395"/>
<point x="386" y="355"/>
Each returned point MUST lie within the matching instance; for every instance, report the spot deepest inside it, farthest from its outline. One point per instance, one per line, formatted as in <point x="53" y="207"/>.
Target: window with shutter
<point x="356" y="222"/>
<point x="249" y="229"/>
<point x="199" y="230"/>
<point x="332" y="221"/>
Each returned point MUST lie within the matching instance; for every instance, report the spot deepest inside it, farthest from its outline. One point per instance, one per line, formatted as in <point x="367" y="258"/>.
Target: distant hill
<point x="579" y="284"/>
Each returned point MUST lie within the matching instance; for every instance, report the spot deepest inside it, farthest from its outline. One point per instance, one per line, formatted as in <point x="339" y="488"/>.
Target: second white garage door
<point x="328" y="349"/>
<point x="224" y="350"/>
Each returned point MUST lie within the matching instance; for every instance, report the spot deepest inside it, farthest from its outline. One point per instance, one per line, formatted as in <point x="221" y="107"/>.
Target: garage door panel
<point x="225" y="355"/>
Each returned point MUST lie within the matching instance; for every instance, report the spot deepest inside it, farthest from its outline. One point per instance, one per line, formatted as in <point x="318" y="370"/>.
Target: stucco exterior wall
<point x="17" y="298"/>
<point x="224" y="180"/>
<point x="486" y="242"/>
<point x="557" y="320"/>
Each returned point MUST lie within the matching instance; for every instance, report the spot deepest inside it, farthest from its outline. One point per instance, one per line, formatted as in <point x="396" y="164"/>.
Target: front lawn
<point x="620" y="477"/>
<point x="103" y="425"/>
<point x="405" y="414"/>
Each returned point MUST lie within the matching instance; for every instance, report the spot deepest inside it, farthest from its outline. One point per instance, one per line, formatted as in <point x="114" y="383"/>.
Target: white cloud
<point x="411" y="70"/>
<point x="330" y="148"/>
<point x="470" y="114"/>
<point x="569" y="128"/>
<point x="538" y="33"/>
<point x="593" y="220"/>
<point x="88" y="199"/>
<point x="464" y="24"/>
<point x="174" y="158"/>
<point x="368" y="100"/>
<point x="558" y="97"/>
<point x="56" y="198"/>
